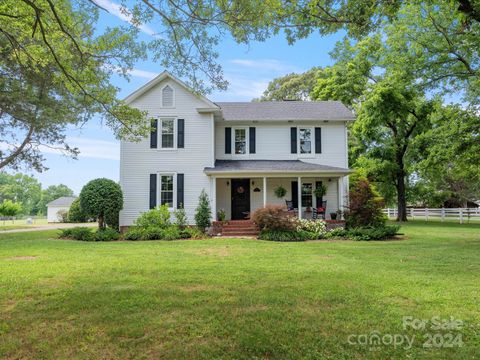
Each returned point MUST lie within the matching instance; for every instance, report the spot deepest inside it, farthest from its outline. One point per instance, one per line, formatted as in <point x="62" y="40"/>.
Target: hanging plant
<point x="280" y="191"/>
<point x="320" y="191"/>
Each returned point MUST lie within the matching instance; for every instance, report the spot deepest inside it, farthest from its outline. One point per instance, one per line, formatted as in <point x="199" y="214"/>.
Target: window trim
<point x="174" y="190"/>
<point x="247" y="141"/>
<point x="173" y="97"/>
<point x="312" y="142"/>
<point x="159" y="133"/>
<point x="311" y="194"/>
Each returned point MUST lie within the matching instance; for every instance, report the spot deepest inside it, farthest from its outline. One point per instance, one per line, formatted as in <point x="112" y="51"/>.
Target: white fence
<point x="461" y="215"/>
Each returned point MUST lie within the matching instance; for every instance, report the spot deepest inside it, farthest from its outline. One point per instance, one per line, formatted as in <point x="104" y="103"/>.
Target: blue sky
<point x="247" y="68"/>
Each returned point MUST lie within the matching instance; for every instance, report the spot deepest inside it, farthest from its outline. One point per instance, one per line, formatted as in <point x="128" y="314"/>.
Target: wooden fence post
<point x="461" y="216"/>
<point x="426" y="214"/>
<point x="443" y="213"/>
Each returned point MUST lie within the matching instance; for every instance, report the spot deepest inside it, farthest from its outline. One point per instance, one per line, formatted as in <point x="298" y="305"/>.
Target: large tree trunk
<point x="401" y="199"/>
<point x="101" y="222"/>
<point x="401" y="193"/>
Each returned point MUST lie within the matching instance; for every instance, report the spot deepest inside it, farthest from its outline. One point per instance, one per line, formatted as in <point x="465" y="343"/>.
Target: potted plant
<point x="280" y="191"/>
<point x="221" y="215"/>
<point x="320" y="191"/>
<point x="333" y="216"/>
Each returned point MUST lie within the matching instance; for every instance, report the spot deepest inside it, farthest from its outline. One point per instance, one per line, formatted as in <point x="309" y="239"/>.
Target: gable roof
<point x="285" y="110"/>
<point x="62" y="201"/>
<point x="267" y="166"/>
<point x="157" y="80"/>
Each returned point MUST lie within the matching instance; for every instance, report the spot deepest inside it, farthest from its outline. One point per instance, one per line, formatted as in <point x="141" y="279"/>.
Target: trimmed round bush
<point x="102" y="199"/>
<point x="75" y="214"/>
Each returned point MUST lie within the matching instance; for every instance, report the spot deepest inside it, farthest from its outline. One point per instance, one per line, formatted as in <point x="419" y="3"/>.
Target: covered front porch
<point x="239" y="193"/>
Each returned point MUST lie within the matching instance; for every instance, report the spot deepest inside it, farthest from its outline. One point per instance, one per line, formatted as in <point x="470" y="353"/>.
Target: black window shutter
<point x="181" y="133"/>
<point x="252" y="140"/>
<point x="180" y="191"/>
<point x="228" y="140"/>
<point x="153" y="191"/>
<point x="154" y="134"/>
<point x="293" y="140"/>
<point x="319" y="199"/>
<point x="318" y="140"/>
<point x="295" y="194"/>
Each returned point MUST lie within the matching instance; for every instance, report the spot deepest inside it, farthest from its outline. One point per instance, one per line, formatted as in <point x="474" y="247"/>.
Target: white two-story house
<point x="239" y="152"/>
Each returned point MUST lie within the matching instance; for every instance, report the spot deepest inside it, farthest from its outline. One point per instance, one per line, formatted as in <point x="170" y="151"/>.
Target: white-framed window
<point x="167" y="127"/>
<point x="167" y="190"/>
<point x="305" y="140"/>
<point x="168" y="97"/>
<point x="307" y="195"/>
<point x="240" y="141"/>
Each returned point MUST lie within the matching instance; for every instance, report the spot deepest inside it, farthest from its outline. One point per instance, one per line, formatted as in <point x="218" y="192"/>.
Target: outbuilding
<point x="57" y="207"/>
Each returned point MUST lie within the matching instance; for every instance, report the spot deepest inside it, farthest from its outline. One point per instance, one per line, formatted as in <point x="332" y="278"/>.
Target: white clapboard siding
<point x="138" y="160"/>
<point x="273" y="142"/>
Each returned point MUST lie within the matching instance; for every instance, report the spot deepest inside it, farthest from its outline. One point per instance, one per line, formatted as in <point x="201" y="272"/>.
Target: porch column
<point x="299" y="197"/>
<point x="213" y="200"/>
<point x="264" y="191"/>
<point x="340" y="193"/>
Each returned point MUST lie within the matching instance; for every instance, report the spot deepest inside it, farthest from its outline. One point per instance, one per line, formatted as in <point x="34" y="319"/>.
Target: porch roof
<point x="271" y="166"/>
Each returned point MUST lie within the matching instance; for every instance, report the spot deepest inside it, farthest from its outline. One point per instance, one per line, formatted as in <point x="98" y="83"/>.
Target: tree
<point x="365" y="206"/>
<point x="203" y="213"/>
<point x="51" y="193"/>
<point x="291" y="86"/>
<point x="452" y="148"/>
<point x="55" y="71"/>
<point x="22" y="189"/>
<point x="391" y="111"/>
<point x="76" y="214"/>
<point x="102" y="199"/>
<point x="10" y="209"/>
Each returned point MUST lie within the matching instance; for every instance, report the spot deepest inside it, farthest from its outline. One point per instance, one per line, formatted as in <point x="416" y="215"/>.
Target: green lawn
<point x="235" y="298"/>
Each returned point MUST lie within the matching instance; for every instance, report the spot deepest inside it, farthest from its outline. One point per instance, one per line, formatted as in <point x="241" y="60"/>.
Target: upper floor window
<point x="240" y="141"/>
<point x="305" y="137"/>
<point x="167" y="96"/>
<point x="167" y="133"/>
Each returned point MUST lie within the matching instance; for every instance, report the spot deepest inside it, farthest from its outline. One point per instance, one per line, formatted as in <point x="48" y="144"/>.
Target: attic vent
<point x="167" y="96"/>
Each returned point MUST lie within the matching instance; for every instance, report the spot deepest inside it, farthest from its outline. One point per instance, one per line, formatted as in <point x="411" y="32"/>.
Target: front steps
<point x="234" y="228"/>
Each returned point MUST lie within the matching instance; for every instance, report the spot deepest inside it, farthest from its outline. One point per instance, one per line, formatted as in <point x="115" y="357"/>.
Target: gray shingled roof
<point x="285" y="110"/>
<point x="286" y="166"/>
<point x="62" y="201"/>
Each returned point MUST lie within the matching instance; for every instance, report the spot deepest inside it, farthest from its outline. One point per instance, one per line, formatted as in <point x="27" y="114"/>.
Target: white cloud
<point x="143" y="74"/>
<point x="241" y="88"/>
<point x="119" y="11"/>
<point x="265" y="64"/>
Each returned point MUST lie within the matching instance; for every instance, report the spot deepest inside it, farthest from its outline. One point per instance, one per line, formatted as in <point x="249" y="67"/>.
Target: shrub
<point x="152" y="233"/>
<point x="318" y="227"/>
<point x="338" y="232"/>
<point x="203" y="213"/>
<point x="76" y="214"/>
<point x="102" y="199"/>
<point x="78" y="233"/>
<point x="191" y="233"/>
<point x="171" y="233"/>
<point x="365" y="209"/>
<point x="107" y="234"/>
<point x="365" y="234"/>
<point x="274" y="217"/>
<point x="181" y="219"/>
<point x="62" y="215"/>
<point x="285" y="235"/>
<point x="133" y="233"/>
<point x="158" y="217"/>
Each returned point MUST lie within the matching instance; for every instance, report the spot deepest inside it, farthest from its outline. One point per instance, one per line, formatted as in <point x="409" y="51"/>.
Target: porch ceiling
<point x="272" y="166"/>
